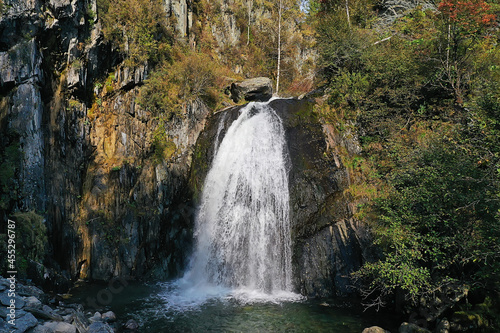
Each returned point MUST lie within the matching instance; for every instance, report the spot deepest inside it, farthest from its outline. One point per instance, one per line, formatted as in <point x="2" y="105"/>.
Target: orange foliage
<point x="471" y="16"/>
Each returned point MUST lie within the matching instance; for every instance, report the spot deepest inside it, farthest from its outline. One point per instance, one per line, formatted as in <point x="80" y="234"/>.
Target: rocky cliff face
<point x="328" y="243"/>
<point x="86" y="149"/>
<point x="87" y="157"/>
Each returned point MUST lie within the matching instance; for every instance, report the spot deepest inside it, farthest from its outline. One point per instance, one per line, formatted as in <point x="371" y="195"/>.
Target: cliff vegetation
<point x="418" y="82"/>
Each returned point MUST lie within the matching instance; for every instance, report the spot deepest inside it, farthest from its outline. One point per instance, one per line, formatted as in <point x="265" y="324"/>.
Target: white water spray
<point x="242" y="231"/>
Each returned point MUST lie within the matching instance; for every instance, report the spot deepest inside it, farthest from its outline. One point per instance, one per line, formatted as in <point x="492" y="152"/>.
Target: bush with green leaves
<point x="137" y="28"/>
<point x="426" y="109"/>
<point x="439" y="224"/>
<point x="189" y="76"/>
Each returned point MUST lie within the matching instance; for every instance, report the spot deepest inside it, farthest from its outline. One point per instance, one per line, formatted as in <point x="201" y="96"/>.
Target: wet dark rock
<point x="29" y="290"/>
<point x="256" y="89"/>
<point x="3" y="312"/>
<point x="3" y="326"/>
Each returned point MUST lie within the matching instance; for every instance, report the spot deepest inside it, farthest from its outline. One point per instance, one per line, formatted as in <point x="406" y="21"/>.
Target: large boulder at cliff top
<point x="256" y="89"/>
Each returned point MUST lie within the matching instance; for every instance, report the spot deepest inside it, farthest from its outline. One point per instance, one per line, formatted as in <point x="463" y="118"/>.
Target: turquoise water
<point x="159" y="308"/>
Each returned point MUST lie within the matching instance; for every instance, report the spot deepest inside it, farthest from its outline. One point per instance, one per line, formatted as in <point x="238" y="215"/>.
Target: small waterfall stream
<point x="242" y="226"/>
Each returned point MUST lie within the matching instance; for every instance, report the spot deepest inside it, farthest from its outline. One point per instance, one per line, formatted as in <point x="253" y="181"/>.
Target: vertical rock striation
<point x="86" y="152"/>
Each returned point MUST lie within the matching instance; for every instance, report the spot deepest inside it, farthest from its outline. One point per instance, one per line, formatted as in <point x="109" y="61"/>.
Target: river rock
<point x="131" y="324"/>
<point x="3" y="312"/>
<point x="55" y="327"/>
<point x="256" y="89"/>
<point x="30" y="291"/>
<point x="96" y="317"/>
<point x="25" y="322"/>
<point x="109" y="316"/>
<point x="412" y="328"/>
<point x="5" y="300"/>
<point x="32" y="302"/>
<point x="374" y="329"/>
<point x="44" y="314"/>
<point x="99" y="327"/>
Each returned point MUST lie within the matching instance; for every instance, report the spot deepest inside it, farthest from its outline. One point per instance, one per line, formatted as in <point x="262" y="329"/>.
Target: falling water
<point x="242" y="227"/>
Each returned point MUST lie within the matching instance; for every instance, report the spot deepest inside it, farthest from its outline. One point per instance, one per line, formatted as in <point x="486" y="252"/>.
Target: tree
<point x="462" y="24"/>
<point x="438" y="225"/>
<point x="279" y="49"/>
<point x="249" y="13"/>
<point x="137" y="28"/>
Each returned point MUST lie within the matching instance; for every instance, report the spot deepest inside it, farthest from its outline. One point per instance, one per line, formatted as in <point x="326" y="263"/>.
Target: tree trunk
<point x="347" y="12"/>
<point x="279" y="50"/>
<point x="250" y="5"/>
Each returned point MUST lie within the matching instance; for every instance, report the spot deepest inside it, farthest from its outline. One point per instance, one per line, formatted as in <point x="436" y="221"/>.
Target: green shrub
<point x="138" y="28"/>
<point x="189" y="77"/>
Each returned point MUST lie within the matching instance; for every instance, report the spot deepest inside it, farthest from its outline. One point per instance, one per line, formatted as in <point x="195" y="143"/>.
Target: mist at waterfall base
<point x="240" y="277"/>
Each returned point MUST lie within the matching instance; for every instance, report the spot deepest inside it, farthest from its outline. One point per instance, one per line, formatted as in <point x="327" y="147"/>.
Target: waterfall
<point x="242" y="228"/>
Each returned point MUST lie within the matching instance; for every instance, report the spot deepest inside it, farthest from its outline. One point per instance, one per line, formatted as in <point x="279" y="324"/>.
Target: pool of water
<point x="164" y="307"/>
